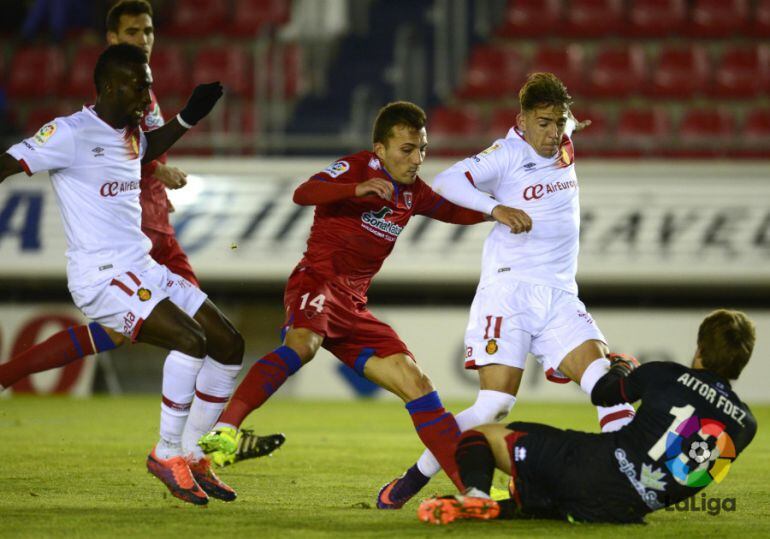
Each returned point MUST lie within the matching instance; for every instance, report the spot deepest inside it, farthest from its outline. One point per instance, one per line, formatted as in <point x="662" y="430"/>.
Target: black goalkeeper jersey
<point x="687" y="432"/>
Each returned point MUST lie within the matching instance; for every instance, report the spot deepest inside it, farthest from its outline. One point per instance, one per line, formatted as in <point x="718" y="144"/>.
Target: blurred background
<point x="673" y="170"/>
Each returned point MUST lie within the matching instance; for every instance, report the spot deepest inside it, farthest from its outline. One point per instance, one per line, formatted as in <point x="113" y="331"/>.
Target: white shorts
<point x="125" y="302"/>
<point x="509" y="319"/>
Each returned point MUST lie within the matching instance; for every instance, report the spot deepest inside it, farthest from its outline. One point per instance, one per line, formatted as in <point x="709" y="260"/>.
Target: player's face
<point x="403" y="153"/>
<point x="134" y="30"/>
<point x="543" y="128"/>
<point x="131" y="93"/>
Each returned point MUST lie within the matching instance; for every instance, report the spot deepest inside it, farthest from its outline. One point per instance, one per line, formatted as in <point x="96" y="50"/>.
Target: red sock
<point x="263" y="379"/>
<point x="439" y="432"/>
<point x="56" y="351"/>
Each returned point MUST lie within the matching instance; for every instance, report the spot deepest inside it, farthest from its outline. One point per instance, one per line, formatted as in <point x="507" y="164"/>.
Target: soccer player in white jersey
<point x="94" y="158"/>
<point x="526" y="300"/>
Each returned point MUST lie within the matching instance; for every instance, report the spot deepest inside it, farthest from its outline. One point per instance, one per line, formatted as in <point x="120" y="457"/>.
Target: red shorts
<point x="324" y="306"/>
<point x="167" y="251"/>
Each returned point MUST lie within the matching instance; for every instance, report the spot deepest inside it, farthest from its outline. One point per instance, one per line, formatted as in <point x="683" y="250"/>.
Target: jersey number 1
<point x="681" y="414"/>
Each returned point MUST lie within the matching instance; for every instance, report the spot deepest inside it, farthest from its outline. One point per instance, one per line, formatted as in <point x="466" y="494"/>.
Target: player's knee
<point x="192" y="342"/>
<point x="304" y="342"/>
<point x="234" y="349"/>
<point x="417" y="383"/>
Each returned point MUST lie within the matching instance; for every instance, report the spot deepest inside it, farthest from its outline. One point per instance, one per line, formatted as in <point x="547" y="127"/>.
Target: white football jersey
<point x="95" y="171"/>
<point x="547" y="189"/>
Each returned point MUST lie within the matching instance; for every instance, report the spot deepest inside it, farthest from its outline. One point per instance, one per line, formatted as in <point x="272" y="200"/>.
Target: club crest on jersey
<point x="492" y="347"/>
<point x="566" y="154"/>
<point x="46" y="132"/>
<point x="408" y="199"/>
<point x="376" y="223"/>
<point x="337" y="168"/>
<point x="374" y="163"/>
<point x="143" y="294"/>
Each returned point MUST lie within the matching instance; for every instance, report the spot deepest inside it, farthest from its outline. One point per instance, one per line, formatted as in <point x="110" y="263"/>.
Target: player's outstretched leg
<point x="437" y="428"/>
<point x="476" y="466"/>
<point x="263" y="379"/>
<point x="58" y="350"/>
<point x="490" y="406"/>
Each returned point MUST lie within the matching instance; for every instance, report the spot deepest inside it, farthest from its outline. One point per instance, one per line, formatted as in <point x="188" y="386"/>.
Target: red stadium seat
<point x="444" y="121"/>
<point x="531" y="18"/>
<point x="643" y="128"/>
<point x="742" y="73"/>
<point x="36" y="72"/>
<point x="593" y="18"/>
<point x="229" y="64"/>
<point x="760" y="26"/>
<point x="250" y="16"/>
<point x="706" y="127"/>
<point x="596" y="134"/>
<point x="171" y="74"/>
<point x="756" y="129"/>
<point x="39" y="115"/>
<point x="718" y="18"/>
<point x="450" y="130"/>
<point x="493" y="72"/>
<point x="80" y="78"/>
<point x="502" y="120"/>
<point x="681" y="73"/>
<point x="196" y="18"/>
<point x="618" y="72"/>
<point x="566" y="62"/>
<point x="656" y="18"/>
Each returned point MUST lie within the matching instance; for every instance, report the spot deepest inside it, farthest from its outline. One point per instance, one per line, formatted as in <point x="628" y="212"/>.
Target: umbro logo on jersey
<point x="529" y="167"/>
<point x="98" y="151"/>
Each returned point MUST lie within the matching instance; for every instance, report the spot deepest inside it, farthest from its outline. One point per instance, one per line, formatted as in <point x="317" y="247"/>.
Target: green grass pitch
<point x="75" y="468"/>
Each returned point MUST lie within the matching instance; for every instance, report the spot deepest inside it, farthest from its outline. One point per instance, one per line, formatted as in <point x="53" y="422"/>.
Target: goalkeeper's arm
<point x="618" y="385"/>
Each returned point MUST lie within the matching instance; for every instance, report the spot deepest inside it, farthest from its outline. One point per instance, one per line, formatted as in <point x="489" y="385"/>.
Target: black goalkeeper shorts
<point x="566" y="474"/>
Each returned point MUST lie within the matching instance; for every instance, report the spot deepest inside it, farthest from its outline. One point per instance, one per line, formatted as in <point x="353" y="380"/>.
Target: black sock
<point x="475" y="460"/>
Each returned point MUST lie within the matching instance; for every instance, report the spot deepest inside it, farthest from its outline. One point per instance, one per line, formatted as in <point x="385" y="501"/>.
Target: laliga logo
<point x="533" y="192"/>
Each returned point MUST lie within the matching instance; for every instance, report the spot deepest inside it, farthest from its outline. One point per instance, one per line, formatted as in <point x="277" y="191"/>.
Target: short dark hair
<point x="726" y="340"/>
<point x="116" y="57"/>
<point x="543" y="90"/>
<point x="126" y="7"/>
<point x="397" y="113"/>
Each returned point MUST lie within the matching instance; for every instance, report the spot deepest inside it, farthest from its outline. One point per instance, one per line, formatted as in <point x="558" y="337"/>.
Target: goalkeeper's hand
<point x="202" y="100"/>
<point x="622" y="364"/>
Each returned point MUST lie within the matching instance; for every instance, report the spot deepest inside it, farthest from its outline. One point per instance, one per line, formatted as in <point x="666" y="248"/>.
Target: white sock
<point x="611" y="418"/>
<point x="593" y="372"/>
<point x="490" y="407"/>
<point x="213" y="388"/>
<point x="179" y="374"/>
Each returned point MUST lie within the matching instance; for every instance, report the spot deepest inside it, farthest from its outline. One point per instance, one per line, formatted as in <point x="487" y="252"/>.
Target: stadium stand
<point x="635" y="65"/>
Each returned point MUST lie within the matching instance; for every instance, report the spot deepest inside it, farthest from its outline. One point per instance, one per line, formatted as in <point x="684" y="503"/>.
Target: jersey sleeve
<point x="336" y="182"/>
<point x="486" y="169"/>
<point x="614" y="388"/>
<point x="51" y="148"/>
<point x="431" y="204"/>
<point x="469" y="182"/>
